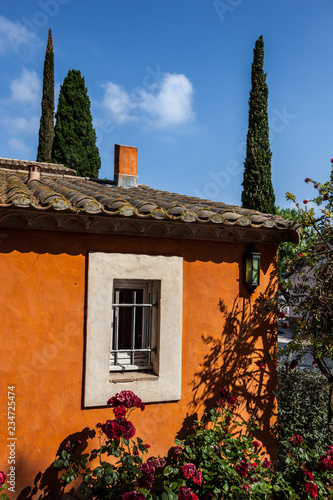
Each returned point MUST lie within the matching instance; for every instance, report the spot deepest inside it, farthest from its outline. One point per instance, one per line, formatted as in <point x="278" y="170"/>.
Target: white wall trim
<point x="165" y="383"/>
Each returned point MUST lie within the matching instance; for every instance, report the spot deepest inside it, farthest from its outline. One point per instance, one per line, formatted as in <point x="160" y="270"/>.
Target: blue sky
<point x="172" y="77"/>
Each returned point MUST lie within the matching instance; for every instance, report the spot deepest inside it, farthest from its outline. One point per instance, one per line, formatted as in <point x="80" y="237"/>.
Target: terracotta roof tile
<point x="56" y="191"/>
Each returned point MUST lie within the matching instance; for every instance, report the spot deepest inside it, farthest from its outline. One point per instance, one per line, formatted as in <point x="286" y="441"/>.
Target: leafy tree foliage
<point x="74" y="142"/>
<point x="257" y="185"/>
<point x="310" y="290"/>
<point x="46" y="128"/>
<point x="288" y="251"/>
<point x="302" y="401"/>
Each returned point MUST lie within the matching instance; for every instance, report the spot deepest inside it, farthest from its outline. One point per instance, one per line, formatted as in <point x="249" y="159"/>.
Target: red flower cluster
<point x="148" y="469"/>
<point x="190" y="472"/>
<point x="133" y="495"/>
<point x="115" y="429"/>
<point x="307" y="179"/>
<point x="186" y="494"/>
<point x="312" y="489"/>
<point x="308" y="474"/>
<point x="126" y="399"/>
<point x="241" y="468"/>
<point x="226" y="397"/>
<point x="119" y="411"/>
<point x="326" y="461"/>
<point x="3" y="477"/>
<point x="296" y="439"/>
<point x="267" y="464"/>
<point x="261" y="364"/>
<point x="256" y="444"/>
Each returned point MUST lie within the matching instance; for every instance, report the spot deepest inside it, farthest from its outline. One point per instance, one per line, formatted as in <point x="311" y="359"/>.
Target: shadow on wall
<point x="247" y="338"/>
<point x="47" y="484"/>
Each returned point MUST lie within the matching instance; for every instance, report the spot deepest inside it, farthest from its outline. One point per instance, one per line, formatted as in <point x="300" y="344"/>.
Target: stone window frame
<point x="164" y="382"/>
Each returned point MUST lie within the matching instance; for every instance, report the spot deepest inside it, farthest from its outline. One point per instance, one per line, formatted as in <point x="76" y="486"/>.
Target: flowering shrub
<point x="3" y="478"/>
<point x="213" y="464"/>
<point x="126" y="479"/>
<point x="209" y="464"/>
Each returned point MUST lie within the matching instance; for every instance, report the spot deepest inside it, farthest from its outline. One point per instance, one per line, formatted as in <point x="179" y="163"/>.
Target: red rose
<point x="2" y="477"/>
<point x="296" y="439"/>
<point x="256" y="444"/>
<point x="266" y="464"/>
<point x="241" y="468"/>
<point x="307" y="179"/>
<point x="127" y="399"/>
<point x="312" y="489"/>
<point x="186" y="494"/>
<point x="120" y="427"/>
<point x="308" y="474"/>
<point x="190" y="472"/>
<point x="232" y="399"/>
<point x="305" y="202"/>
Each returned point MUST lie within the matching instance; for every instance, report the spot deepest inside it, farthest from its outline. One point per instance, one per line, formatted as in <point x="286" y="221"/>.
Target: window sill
<point x="119" y="378"/>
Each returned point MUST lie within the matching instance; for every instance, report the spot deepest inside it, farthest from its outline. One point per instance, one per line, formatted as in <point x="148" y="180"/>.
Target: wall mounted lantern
<point x="251" y="268"/>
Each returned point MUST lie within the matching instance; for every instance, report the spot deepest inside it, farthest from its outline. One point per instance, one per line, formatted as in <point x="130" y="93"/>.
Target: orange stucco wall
<point x="43" y="290"/>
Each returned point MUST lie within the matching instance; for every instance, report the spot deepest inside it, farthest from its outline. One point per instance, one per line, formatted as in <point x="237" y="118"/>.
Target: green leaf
<point x="58" y="463"/>
<point x="168" y="470"/>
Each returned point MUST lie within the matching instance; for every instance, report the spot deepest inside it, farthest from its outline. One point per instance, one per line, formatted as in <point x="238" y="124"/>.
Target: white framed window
<point x="134" y="327"/>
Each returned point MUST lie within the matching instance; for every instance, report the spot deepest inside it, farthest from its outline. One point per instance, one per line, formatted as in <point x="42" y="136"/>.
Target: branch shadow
<point x="47" y="484"/>
<point x="248" y="335"/>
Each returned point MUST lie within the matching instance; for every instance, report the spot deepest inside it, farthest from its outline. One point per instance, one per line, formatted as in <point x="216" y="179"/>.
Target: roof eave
<point x="74" y="221"/>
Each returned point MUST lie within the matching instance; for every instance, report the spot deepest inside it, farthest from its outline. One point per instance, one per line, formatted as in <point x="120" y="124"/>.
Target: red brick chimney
<point x="125" y="166"/>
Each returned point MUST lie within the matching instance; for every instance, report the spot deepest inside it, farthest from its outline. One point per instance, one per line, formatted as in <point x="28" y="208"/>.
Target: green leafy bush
<point x="209" y="464"/>
<point x="302" y="402"/>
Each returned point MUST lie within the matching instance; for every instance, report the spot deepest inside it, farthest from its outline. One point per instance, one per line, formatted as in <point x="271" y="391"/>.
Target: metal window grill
<point x="132" y="329"/>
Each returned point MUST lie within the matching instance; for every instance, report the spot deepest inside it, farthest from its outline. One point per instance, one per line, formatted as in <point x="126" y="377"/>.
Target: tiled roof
<point x="59" y="191"/>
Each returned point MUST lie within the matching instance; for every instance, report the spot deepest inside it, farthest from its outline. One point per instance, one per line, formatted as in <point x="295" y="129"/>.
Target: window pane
<point x="126" y="316"/>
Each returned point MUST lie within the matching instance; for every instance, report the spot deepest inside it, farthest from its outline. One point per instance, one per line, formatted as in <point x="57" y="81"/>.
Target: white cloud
<point x="19" y="147"/>
<point x="119" y="102"/>
<point x="169" y="104"/>
<point x="27" y="88"/>
<point x="13" y="35"/>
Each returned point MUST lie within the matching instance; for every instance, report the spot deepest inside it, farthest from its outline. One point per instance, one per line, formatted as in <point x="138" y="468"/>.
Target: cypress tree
<point x="258" y="193"/>
<point x="46" y="127"/>
<point x="74" y="142"/>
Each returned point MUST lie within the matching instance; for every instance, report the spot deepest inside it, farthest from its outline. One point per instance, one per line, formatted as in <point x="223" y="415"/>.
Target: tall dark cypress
<point x="46" y="128"/>
<point x="258" y="193"/>
<point x="74" y="142"/>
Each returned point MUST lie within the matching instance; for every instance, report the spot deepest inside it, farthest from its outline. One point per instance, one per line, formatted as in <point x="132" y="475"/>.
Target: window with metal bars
<point x="133" y="340"/>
